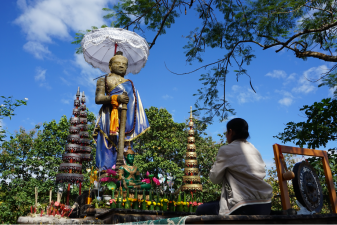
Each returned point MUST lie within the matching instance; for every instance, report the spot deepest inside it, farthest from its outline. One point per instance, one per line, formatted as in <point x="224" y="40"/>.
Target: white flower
<point x="88" y="170"/>
<point x="2" y="105"/>
<point x="26" y="99"/>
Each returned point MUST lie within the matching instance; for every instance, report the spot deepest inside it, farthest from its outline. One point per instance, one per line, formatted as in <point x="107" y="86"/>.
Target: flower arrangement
<point x="111" y="179"/>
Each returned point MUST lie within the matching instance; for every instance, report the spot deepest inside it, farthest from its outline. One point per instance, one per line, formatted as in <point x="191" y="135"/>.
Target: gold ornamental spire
<point x="191" y="179"/>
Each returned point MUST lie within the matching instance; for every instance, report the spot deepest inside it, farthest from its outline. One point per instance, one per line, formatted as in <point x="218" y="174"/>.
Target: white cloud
<point x="65" y="81"/>
<point x="41" y="74"/>
<point x="285" y="101"/>
<point x="304" y="84"/>
<point x="166" y="97"/>
<point x="88" y="73"/>
<point x="289" y="79"/>
<point x="331" y="91"/>
<point x="37" y="49"/>
<point x="277" y="74"/>
<point x="245" y="94"/>
<point x="2" y="124"/>
<point x="43" y="20"/>
<point x="65" y="101"/>
<point x="40" y="77"/>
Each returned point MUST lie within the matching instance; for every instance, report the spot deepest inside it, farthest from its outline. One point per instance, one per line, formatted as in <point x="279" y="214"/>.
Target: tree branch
<point x="142" y="15"/>
<point x="323" y="28"/>
<point x="221" y="60"/>
<point x="163" y="22"/>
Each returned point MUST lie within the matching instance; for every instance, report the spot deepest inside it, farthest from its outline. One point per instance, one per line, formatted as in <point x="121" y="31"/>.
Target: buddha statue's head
<point x="129" y="157"/>
<point x="118" y="64"/>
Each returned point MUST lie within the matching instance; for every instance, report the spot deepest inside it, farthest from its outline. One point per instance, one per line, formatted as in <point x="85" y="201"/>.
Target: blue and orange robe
<point x="136" y="124"/>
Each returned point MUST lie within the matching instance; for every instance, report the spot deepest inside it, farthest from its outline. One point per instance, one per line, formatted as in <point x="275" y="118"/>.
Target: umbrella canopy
<point x="101" y="44"/>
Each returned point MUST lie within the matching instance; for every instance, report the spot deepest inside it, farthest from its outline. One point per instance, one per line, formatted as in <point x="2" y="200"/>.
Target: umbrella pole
<point x="121" y="139"/>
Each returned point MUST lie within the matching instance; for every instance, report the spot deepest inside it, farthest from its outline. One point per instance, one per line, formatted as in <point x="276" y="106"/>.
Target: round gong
<point x="308" y="190"/>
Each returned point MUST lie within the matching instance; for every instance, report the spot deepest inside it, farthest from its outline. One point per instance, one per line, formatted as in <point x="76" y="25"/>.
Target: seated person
<point x="240" y="169"/>
<point x="129" y="174"/>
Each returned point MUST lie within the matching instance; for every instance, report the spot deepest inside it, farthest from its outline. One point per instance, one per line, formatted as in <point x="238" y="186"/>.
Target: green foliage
<point x="7" y="110"/>
<point x="235" y="26"/>
<point x="272" y="179"/>
<point x="31" y="159"/>
<point x="330" y="80"/>
<point x="161" y="150"/>
<point x="319" y="129"/>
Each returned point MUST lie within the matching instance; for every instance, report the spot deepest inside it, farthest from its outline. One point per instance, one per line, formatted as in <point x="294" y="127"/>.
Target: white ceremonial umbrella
<point x="102" y="44"/>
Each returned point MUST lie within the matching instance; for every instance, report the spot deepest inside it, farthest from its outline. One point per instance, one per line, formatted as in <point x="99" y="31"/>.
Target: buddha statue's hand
<point x="123" y="98"/>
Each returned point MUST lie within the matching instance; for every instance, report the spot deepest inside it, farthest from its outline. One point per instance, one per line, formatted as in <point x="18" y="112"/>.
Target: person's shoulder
<point x="101" y="81"/>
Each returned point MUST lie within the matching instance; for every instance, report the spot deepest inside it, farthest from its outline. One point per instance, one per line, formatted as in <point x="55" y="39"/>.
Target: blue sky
<point x="39" y="63"/>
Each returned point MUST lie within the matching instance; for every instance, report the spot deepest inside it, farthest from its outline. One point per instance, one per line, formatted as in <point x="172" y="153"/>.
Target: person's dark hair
<point x="240" y="127"/>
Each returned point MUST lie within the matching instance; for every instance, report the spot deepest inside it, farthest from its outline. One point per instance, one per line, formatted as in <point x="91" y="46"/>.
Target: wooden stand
<point x="302" y="151"/>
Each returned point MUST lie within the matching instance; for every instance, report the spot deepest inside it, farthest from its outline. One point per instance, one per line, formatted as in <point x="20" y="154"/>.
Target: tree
<point x="162" y="150"/>
<point x="31" y="159"/>
<point x="234" y="25"/>
<point x="7" y="110"/>
<point x="319" y="129"/>
<point x="272" y="179"/>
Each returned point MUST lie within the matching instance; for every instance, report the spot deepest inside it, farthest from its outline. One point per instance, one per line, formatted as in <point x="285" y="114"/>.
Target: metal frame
<point x="278" y="149"/>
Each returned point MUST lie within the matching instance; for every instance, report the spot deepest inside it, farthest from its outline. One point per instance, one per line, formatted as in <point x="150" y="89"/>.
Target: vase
<point x="107" y="198"/>
<point x="88" y="200"/>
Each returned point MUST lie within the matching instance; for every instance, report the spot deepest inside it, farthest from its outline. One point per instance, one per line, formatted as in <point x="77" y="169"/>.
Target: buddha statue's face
<point x="129" y="159"/>
<point x="119" y="65"/>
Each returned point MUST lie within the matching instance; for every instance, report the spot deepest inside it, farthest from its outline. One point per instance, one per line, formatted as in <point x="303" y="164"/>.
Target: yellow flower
<point x="134" y="200"/>
<point x="148" y="203"/>
<point x="165" y="200"/>
<point x="130" y="199"/>
<point x="184" y="203"/>
<point x="178" y="203"/>
<point x="154" y="203"/>
<point x="124" y="200"/>
<point x="188" y="204"/>
<point x="161" y="204"/>
<point x="140" y="200"/>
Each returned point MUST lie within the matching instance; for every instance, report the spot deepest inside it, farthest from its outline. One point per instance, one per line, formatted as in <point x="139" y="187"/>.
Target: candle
<point x="70" y="212"/>
<point x="35" y="196"/>
<point x="50" y="193"/>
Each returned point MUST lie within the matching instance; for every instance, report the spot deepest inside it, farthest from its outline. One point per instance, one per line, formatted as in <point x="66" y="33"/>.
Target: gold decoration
<point x="192" y="179"/>
<point x="191" y="162"/>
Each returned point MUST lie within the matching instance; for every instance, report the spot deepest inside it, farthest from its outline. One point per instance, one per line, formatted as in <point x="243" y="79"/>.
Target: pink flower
<point x="114" y="167"/>
<point x="146" y="180"/>
<point x="200" y="203"/>
<point x="57" y="204"/>
<point x="194" y="203"/>
<point x="147" y="173"/>
<point x="111" y="172"/>
<point x="112" y="200"/>
<point x="156" y="181"/>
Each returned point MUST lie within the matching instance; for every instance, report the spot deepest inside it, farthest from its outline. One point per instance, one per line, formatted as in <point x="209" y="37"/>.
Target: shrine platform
<point x="115" y="216"/>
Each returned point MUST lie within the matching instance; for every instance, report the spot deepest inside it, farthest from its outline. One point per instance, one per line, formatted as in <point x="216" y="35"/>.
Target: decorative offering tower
<point x="191" y="181"/>
<point x="70" y="171"/>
